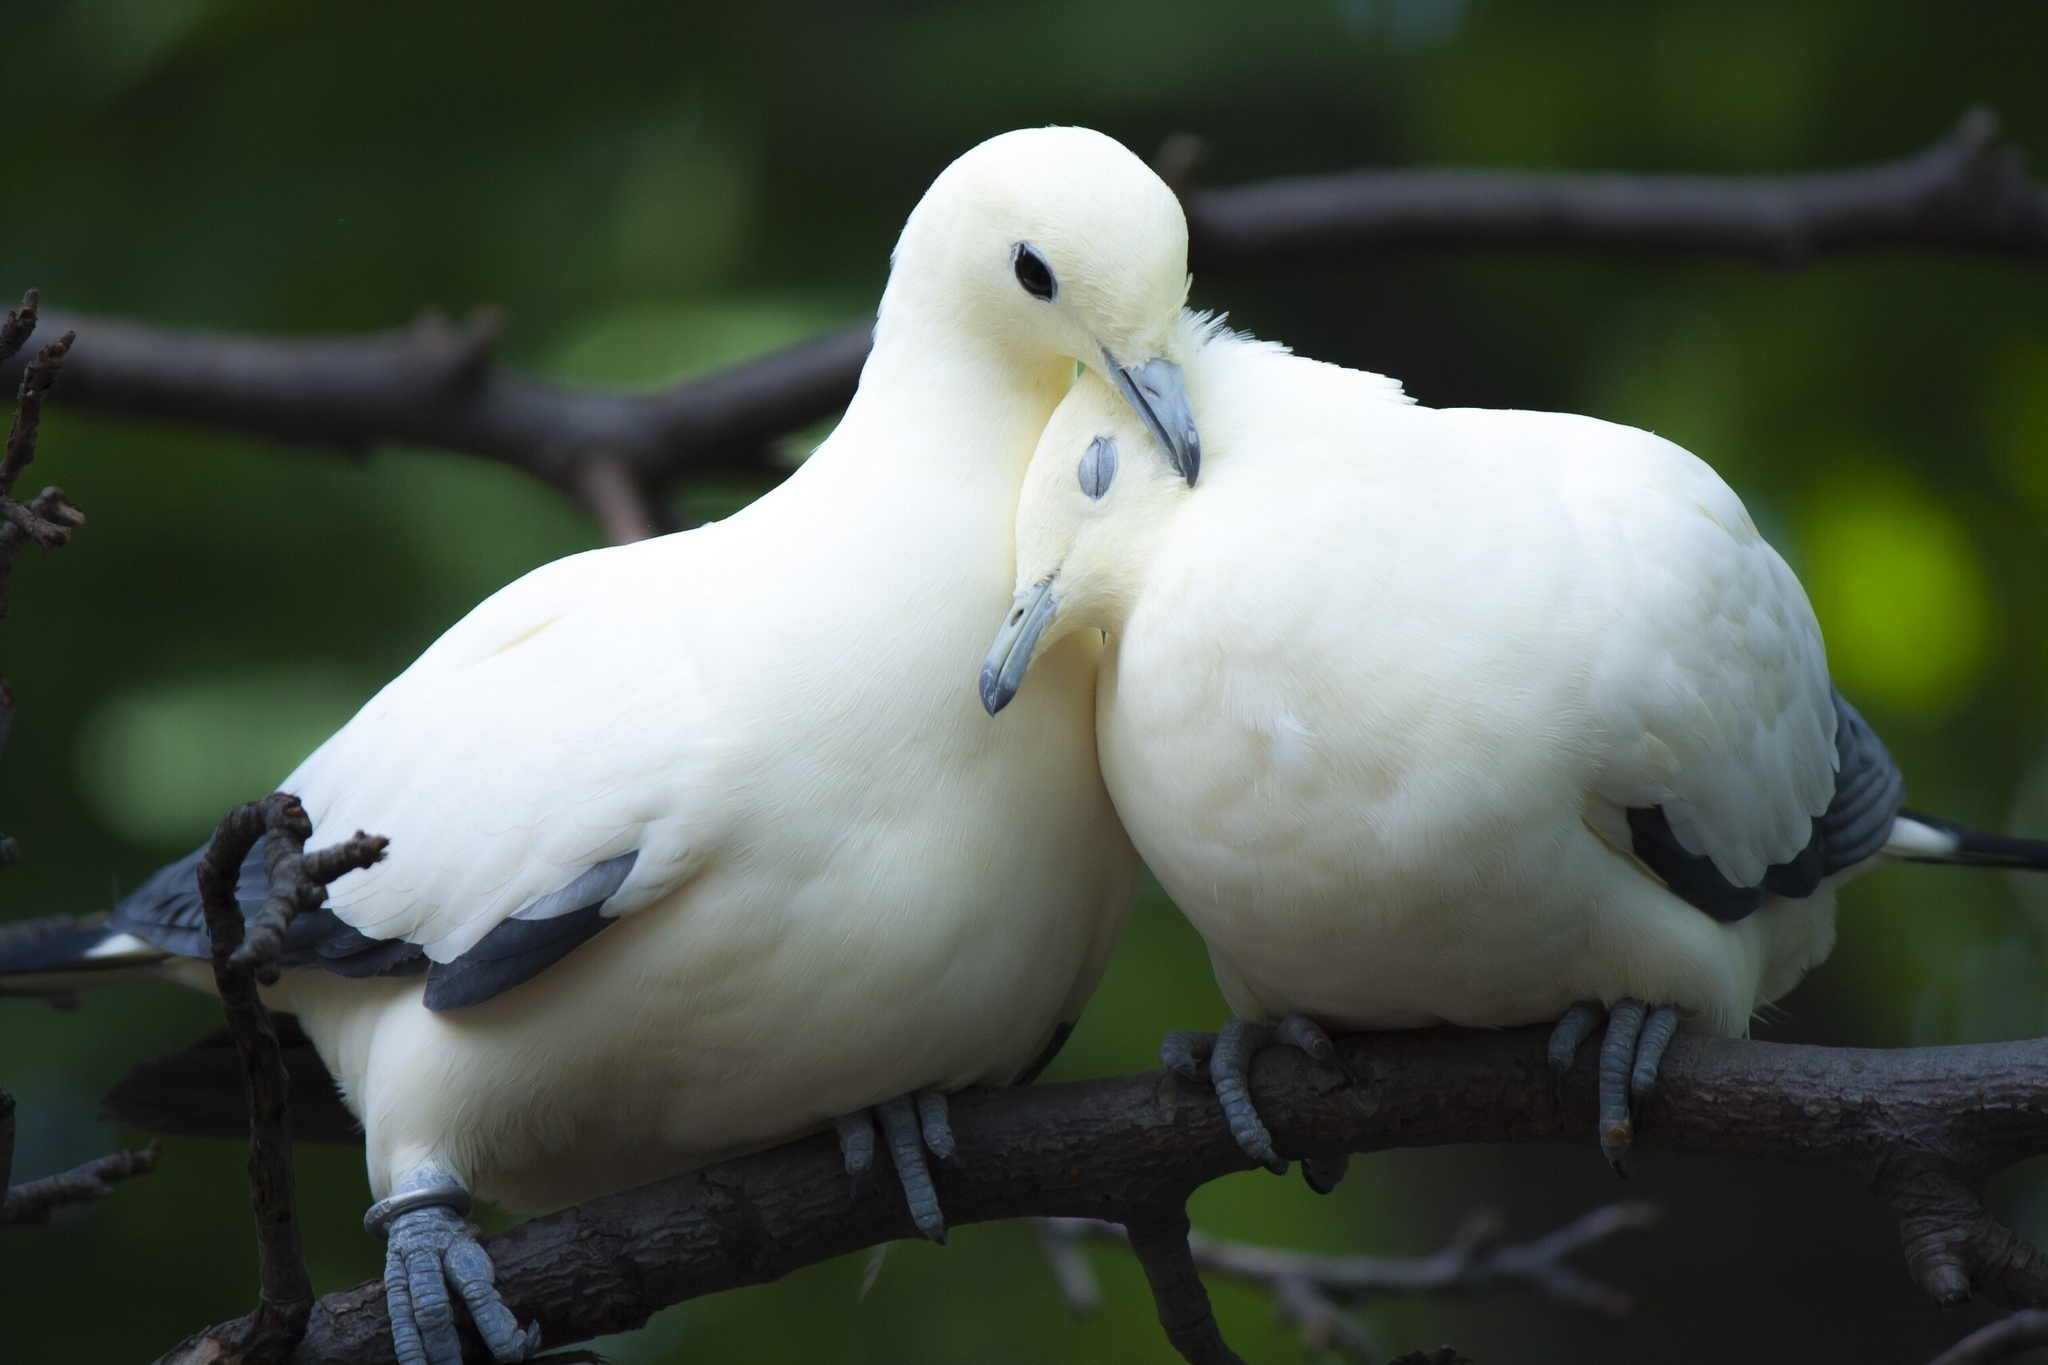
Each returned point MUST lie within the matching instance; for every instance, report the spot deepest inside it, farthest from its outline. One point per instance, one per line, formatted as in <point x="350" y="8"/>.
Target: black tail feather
<point x="199" y="1092"/>
<point x="1975" y="848"/>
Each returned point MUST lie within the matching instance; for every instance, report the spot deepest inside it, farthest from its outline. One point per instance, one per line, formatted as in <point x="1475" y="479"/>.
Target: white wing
<point x="1714" y="680"/>
<point x="557" y="725"/>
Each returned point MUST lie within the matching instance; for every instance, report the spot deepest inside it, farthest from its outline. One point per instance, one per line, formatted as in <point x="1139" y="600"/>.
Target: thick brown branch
<point x="1965" y="193"/>
<point x="1133" y="1145"/>
<point x="286" y="1295"/>
<point x="436" y="385"/>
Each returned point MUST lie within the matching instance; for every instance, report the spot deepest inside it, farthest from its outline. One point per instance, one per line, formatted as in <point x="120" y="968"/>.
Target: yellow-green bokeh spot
<point x="1901" y="593"/>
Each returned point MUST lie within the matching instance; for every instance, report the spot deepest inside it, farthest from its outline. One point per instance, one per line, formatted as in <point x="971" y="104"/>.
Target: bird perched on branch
<point x="1453" y="717"/>
<point x="697" y="844"/>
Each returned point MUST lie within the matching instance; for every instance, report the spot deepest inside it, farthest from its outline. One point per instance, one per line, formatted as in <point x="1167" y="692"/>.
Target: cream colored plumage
<point x="849" y="884"/>
<point x="1384" y="682"/>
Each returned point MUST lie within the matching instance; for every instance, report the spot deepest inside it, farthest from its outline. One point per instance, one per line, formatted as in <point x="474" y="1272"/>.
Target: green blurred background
<point x="650" y="190"/>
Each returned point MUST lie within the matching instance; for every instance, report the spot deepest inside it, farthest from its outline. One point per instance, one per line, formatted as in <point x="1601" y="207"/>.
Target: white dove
<point x="700" y="844"/>
<point x="1452" y="716"/>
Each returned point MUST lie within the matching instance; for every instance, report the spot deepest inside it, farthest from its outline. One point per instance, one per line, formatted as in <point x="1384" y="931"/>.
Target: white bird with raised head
<point x="1452" y="716"/>
<point x="698" y="844"/>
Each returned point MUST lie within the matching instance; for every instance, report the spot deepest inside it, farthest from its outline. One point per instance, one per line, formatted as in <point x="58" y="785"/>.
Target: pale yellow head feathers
<point x="1048" y="241"/>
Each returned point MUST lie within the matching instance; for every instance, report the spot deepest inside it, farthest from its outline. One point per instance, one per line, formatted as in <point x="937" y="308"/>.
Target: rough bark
<point x="1922" y="1128"/>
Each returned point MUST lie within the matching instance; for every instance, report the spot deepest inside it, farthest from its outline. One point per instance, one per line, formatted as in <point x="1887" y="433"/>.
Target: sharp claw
<point x="1577" y="1025"/>
<point x="906" y="1149"/>
<point x="936" y="1124"/>
<point x="1300" y="1031"/>
<point x="475" y="1278"/>
<point x="1229" y="1073"/>
<point x="1617" y="1059"/>
<point x="1185" y="1052"/>
<point x="857" y="1150"/>
<point x="1324" y="1172"/>
<point x="1657" y="1030"/>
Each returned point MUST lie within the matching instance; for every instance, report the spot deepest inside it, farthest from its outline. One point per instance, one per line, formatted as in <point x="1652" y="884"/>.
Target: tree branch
<point x="2007" y="1337"/>
<point x="1132" y="1146"/>
<point x="1308" y="1288"/>
<point x="35" y="1201"/>
<point x="298" y="882"/>
<point x="1965" y="193"/>
<point x="49" y="518"/>
<point x="435" y="384"/>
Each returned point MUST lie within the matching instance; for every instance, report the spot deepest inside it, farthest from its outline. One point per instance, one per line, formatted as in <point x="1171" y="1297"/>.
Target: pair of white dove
<point x="702" y="843"/>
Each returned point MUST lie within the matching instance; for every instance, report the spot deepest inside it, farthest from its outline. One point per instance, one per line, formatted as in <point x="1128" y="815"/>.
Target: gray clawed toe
<point x="913" y="1125"/>
<point x="1629" y="1056"/>
<point x="1223" y="1059"/>
<point x="429" y="1250"/>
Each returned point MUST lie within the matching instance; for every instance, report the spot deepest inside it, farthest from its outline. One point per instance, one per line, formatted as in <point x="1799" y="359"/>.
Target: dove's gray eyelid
<point x="1098" y="467"/>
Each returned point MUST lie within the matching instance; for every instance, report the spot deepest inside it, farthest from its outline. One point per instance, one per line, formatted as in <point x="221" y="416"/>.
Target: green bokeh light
<point x="1902" y="595"/>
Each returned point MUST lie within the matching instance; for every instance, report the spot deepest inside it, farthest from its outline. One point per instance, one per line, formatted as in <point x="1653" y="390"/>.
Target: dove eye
<point x="1032" y="272"/>
<point x="1098" y="467"/>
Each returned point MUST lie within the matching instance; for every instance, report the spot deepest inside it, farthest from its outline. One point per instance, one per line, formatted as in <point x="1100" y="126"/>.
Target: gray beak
<point x="1159" y="395"/>
<point x="1002" y="672"/>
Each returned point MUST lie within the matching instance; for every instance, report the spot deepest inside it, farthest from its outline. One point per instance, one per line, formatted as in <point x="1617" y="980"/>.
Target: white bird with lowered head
<point x="698" y="844"/>
<point x="1452" y="717"/>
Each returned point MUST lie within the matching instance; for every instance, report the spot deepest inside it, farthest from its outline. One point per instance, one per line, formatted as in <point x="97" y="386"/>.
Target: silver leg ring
<point x="378" y="1220"/>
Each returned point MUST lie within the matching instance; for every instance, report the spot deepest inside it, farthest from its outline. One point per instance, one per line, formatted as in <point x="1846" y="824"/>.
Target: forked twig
<point x="268" y="1334"/>
<point x="1309" y="1290"/>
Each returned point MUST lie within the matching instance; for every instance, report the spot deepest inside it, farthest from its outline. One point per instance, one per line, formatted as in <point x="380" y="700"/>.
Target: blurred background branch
<point x="1309" y="1291"/>
<point x="438" y="385"/>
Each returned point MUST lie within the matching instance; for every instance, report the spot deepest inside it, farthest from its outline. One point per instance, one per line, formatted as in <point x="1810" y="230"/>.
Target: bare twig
<point x="298" y="882"/>
<point x="18" y="326"/>
<point x="1309" y="1288"/>
<point x="36" y="380"/>
<point x="2007" y="1337"/>
<point x="1131" y="1145"/>
<point x="433" y="384"/>
<point x="269" y="1333"/>
<point x="49" y="518"/>
<point x="34" y="1201"/>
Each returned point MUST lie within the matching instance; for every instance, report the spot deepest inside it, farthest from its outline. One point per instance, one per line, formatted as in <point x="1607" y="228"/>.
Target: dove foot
<point x="1630" y="1053"/>
<point x="1223" y="1059"/>
<point x="431" y="1257"/>
<point x="914" y="1126"/>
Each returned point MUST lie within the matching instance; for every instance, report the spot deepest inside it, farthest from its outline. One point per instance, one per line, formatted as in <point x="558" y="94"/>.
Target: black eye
<point x="1032" y="272"/>
<point x="1098" y="466"/>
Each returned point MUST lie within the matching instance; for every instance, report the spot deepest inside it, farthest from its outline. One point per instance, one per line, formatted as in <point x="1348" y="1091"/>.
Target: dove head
<point x="1054" y="245"/>
<point x="1097" y="498"/>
